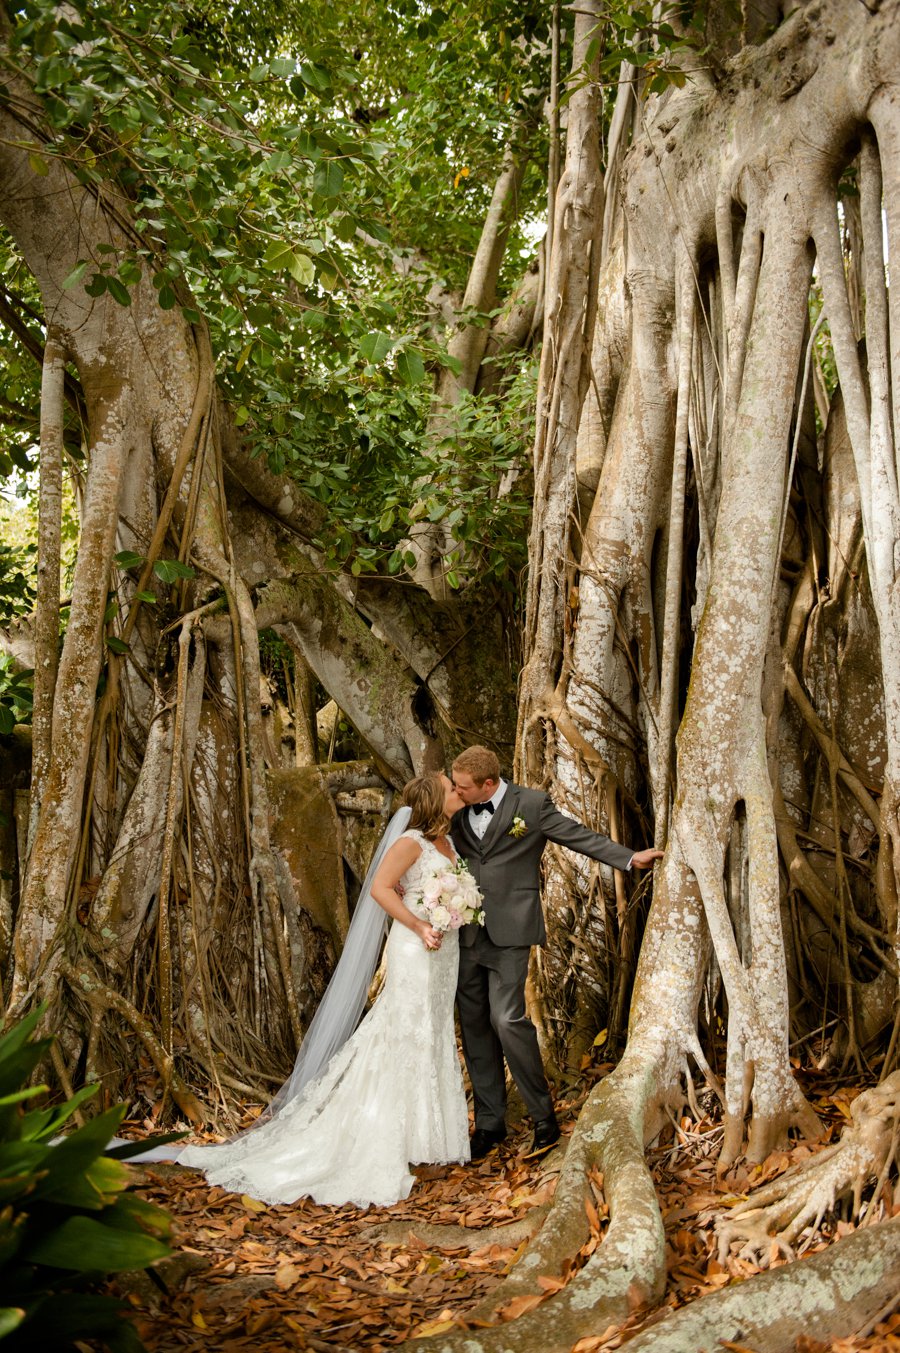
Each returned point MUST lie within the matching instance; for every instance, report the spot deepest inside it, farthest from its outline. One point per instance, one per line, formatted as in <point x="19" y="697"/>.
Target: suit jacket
<point x="507" y="868"/>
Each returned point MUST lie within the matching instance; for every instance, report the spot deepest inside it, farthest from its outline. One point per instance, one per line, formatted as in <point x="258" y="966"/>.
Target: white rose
<point x="440" y="918"/>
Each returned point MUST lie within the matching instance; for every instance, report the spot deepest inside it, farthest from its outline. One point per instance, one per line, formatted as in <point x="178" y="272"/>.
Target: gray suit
<point x="493" y="959"/>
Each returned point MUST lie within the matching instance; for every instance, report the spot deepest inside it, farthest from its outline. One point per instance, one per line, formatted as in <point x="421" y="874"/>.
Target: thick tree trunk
<point x="667" y="620"/>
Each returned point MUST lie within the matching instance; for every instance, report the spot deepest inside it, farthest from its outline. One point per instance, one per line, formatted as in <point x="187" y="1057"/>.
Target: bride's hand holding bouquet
<point x="451" y="898"/>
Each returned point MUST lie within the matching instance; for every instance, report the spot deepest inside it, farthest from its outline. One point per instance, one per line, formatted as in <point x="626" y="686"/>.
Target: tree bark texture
<point x="702" y="675"/>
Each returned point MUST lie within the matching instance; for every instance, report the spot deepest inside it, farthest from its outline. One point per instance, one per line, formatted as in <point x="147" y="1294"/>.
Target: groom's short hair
<point x="479" y="762"/>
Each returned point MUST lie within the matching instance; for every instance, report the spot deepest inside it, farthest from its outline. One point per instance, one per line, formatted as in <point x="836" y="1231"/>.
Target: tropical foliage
<point x="66" y="1214"/>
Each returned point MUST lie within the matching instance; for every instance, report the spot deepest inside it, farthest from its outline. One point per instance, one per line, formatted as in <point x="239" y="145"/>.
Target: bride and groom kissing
<point x="365" y="1102"/>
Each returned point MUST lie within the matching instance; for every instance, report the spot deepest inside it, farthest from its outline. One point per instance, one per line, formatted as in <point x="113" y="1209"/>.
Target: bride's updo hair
<point x="425" y="796"/>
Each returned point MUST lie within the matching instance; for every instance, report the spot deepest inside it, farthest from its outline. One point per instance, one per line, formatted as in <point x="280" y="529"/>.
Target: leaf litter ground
<point x="248" y="1276"/>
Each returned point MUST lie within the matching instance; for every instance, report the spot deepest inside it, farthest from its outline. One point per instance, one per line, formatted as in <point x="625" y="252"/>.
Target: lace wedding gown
<point x="391" y="1096"/>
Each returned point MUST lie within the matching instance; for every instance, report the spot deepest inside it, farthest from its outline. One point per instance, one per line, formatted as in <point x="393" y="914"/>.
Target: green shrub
<point x="66" y="1218"/>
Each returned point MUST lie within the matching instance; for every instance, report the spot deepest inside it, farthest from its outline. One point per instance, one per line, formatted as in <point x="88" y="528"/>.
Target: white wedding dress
<point x="391" y="1096"/>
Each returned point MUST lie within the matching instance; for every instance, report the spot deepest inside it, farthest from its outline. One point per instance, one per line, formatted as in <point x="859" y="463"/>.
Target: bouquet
<point x="450" y="898"/>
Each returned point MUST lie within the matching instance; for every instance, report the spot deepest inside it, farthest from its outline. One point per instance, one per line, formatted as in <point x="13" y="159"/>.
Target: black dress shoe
<point x="546" y="1135"/>
<point x="483" y="1140"/>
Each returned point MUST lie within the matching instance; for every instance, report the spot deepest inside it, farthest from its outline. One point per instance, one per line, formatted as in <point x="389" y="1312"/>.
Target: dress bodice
<point x="422" y="869"/>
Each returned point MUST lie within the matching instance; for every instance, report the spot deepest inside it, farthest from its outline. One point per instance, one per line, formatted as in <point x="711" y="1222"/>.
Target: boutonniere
<point x="518" y="828"/>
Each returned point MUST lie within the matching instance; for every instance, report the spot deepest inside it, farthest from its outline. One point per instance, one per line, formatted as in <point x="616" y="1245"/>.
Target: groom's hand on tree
<point x="642" y="859"/>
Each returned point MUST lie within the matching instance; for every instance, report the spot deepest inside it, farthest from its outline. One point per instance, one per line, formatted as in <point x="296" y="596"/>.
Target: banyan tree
<point x="707" y="648"/>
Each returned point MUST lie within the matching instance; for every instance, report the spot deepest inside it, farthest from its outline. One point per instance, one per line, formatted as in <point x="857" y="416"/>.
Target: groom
<point x="501" y="833"/>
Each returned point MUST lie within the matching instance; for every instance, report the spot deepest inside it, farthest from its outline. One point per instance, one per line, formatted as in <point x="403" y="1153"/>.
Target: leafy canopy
<point x="312" y="178"/>
<point x="307" y="178"/>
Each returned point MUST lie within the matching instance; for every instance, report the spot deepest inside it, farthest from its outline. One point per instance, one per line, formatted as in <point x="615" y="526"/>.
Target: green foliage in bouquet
<point x="66" y="1218"/>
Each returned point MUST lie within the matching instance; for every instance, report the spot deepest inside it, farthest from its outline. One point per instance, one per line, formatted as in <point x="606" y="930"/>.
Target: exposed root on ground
<point x="784" y="1209"/>
<point x="593" y="1279"/>
<point x="841" y="1291"/>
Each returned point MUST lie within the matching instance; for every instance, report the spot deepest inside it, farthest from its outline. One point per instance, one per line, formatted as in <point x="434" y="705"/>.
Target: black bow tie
<point x="482" y="807"/>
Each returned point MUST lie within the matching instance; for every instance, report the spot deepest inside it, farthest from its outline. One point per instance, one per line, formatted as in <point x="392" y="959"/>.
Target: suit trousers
<point x="490" y="997"/>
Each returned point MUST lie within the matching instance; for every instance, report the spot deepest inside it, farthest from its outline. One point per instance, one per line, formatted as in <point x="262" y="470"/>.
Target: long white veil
<point x="339" y="1009"/>
<point x="345" y="996"/>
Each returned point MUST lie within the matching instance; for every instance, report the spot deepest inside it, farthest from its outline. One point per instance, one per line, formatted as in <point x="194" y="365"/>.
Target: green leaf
<point x="14" y="1040"/>
<point x="277" y="255"/>
<point x="450" y="362"/>
<point x="169" y="570"/>
<point x="95" y="1189"/>
<point x="7" y="721"/>
<point x="129" y="1149"/>
<point x="280" y="159"/>
<point x="301" y="268"/>
<point x="54" y="1323"/>
<point x="375" y="347"/>
<point x="315" y="77"/>
<point x="97" y="285"/>
<point x="117" y="645"/>
<point x="75" y="275"/>
<point x="376" y="230"/>
<point x="19" y="1096"/>
<point x="410" y="367"/>
<point x="131" y="1212"/>
<point x="149" y="597"/>
<point x="118" y="291"/>
<point x="282" y="65"/>
<point x="10" y="1318"/>
<point x="47" y="1122"/>
<point x="344" y="228"/>
<point x="86" y="1245"/>
<point x="75" y="1153"/>
<point x="328" y="179"/>
<point x="128" y="559"/>
<point x="38" y="164"/>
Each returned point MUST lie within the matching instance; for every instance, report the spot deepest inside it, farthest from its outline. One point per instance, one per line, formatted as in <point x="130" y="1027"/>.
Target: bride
<point x="360" y="1107"/>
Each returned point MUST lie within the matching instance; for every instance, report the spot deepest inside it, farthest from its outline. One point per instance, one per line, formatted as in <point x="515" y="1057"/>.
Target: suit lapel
<point x="501" y="820"/>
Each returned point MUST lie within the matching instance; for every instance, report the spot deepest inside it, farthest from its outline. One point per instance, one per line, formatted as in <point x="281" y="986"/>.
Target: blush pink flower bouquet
<point x="451" y="898"/>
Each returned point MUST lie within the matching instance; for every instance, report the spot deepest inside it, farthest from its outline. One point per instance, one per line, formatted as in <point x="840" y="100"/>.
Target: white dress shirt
<point x="479" y="822"/>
